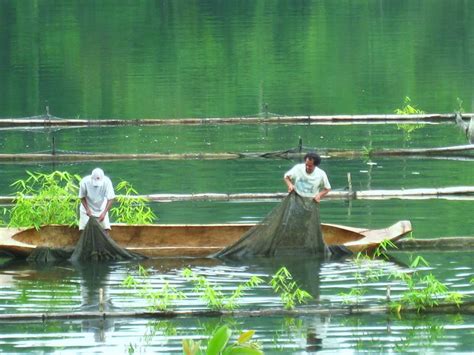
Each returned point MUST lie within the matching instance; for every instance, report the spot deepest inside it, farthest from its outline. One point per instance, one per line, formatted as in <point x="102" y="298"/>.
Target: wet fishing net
<point x="291" y="228"/>
<point x="47" y="255"/>
<point x="96" y="245"/>
<point x="93" y="245"/>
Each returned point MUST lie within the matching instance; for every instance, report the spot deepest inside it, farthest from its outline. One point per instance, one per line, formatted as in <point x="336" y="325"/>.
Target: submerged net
<point x="96" y="245"/>
<point x="291" y="228"/>
<point x="46" y="255"/>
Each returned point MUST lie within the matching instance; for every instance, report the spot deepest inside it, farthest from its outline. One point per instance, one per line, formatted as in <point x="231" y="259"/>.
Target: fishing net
<point x="291" y="228"/>
<point x="46" y="255"/>
<point x="96" y="245"/>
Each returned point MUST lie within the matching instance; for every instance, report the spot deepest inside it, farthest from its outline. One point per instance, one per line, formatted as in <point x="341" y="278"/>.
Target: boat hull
<point x="184" y="240"/>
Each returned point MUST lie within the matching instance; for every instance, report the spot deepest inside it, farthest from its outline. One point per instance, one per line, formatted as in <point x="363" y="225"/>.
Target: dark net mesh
<point x="46" y="255"/>
<point x="291" y="228"/>
<point x="96" y="245"/>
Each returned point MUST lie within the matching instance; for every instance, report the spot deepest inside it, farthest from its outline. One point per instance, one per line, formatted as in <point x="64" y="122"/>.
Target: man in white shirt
<point x="97" y="195"/>
<point x="307" y="179"/>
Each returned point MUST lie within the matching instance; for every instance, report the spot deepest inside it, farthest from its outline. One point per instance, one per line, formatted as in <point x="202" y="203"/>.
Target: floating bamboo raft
<point x="47" y="120"/>
<point x="466" y="150"/>
<point x="455" y="192"/>
<point x="466" y="307"/>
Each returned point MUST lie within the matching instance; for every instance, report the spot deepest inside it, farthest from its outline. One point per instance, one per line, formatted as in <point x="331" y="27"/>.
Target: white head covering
<point x="97" y="177"/>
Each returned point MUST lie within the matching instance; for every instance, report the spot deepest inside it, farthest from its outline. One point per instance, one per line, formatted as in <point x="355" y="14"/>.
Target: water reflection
<point x="65" y="286"/>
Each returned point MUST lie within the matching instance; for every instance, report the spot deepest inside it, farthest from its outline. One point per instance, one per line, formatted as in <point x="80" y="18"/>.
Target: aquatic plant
<point x="52" y="199"/>
<point x="45" y="199"/>
<point x="408" y="108"/>
<point x="131" y="209"/>
<point x="382" y="248"/>
<point x="371" y="274"/>
<point x="213" y="296"/>
<point x="219" y="344"/>
<point x="408" y="128"/>
<point x="420" y="334"/>
<point x="284" y="285"/>
<point x="161" y="299"/>
<point x="459" y="108"/>
<point x="3" y="213"/>
<point x="367" y="151"/>
<point x="423" y="291"/>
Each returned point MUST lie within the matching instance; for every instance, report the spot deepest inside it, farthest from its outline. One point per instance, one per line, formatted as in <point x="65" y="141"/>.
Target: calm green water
<point x="176" y="59"/>
<point x="212" y="58"/>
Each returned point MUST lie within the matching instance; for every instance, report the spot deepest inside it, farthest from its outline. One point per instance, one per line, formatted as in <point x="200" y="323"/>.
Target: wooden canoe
<point x="170" y="240"/>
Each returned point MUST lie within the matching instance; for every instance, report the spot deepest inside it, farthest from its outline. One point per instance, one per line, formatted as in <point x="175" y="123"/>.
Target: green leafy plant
<point x="408" y="108"/>
<point x="132" y="209"/>
<point x="161" y="299"/>
<point x="45" y="199"/>
<point x="283" y="284"/>
<point x="423" y="291"/>
<point x="3" y="213"/>
<point x="213" y="296"/>
<point x="367" y="151"/>
<point x="371" y="274"/>
<point x="219" y="344"/>
<point x="382" y="248"/>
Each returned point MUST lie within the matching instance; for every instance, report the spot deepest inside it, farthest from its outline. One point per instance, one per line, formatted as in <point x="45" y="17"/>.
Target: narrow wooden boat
<point x="170" y="240"/>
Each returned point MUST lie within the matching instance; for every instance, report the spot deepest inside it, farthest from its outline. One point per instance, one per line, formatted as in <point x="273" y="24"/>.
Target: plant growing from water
<point x="283" y="284"/>
<point x="382" y="248"/>
<point x="161" y="299"/>
<point x="459" y="108"/>
<point x="213" y="296"/>
<point x="423" y="291"/>
<point x="362" y="277"/>
<point x="132" y="209"/>
<point x="219" y="344"/>
<point x="408" y="109"/>
<point x="45" y="199"/>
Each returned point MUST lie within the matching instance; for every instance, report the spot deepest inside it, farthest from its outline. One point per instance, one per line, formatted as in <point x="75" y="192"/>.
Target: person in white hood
<point x="97" y="195"/>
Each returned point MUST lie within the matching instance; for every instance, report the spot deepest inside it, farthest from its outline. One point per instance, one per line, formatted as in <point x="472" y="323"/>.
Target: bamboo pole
<point x="455" y="192"/>
<point x="466" y="307"/>
<point x="48" y="121"/>
<point x="57" y="157"/>
<point x="460" y="150"/>
<point x="448" y="243"/>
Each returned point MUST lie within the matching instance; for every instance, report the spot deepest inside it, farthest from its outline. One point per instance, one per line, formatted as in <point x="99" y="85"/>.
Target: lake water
<point x="176" y="59"/>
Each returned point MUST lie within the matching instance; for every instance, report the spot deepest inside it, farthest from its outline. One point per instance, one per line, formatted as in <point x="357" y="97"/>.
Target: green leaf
<point x="245" y="336"/>
<point x="242" y="350"/>
<point x="219" y="340"/>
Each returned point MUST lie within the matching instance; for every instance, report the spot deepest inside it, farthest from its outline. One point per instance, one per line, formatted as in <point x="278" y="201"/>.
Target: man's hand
<point x="289" y="184"/>
<point x="320" y="195"/>
<point x="291" y="187"/>
<point x="102" y="216"/>
<point x="88" y="212"/>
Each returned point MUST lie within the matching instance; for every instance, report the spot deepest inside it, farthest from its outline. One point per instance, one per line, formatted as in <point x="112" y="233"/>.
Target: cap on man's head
<point x="97" y="177"/>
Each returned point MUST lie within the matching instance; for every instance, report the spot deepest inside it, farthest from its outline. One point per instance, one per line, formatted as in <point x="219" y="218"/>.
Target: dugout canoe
<point x="172" y="240"/>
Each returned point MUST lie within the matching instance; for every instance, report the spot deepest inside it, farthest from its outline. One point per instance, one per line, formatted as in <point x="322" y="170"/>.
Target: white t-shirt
<point x="308" y="185"/>
<point x="96" y="196"/>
